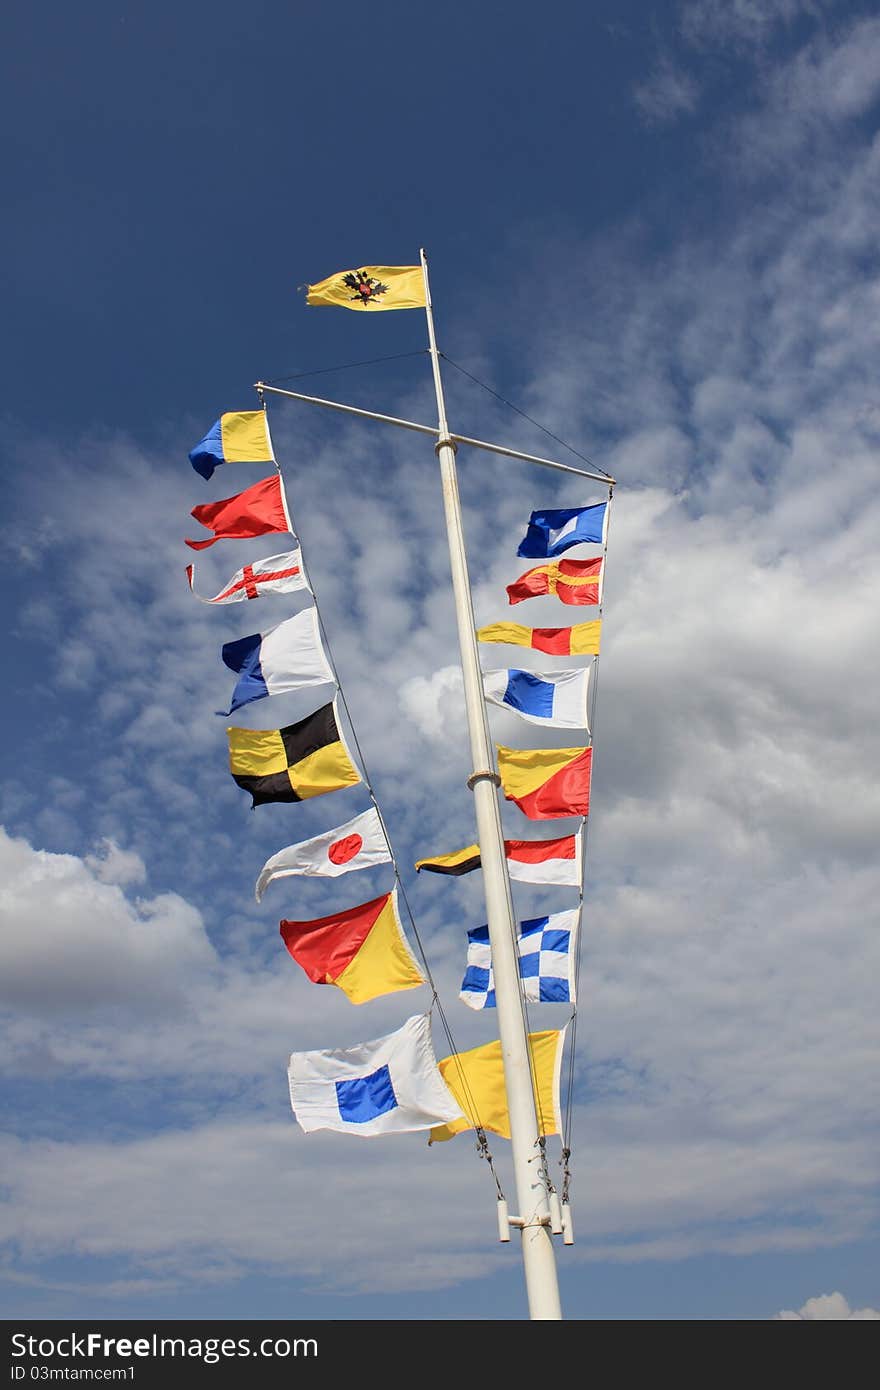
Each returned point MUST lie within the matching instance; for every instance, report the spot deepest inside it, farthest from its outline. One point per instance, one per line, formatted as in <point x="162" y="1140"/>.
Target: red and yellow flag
<point x="363" y="950"/>
<point x="546" y="783"/>
<point x="580" y="640"/>
<point x="572" y="581"/>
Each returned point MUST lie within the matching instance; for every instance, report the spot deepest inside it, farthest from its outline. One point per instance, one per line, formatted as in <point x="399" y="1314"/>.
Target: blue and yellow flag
<point x="239" y="436"/>
<point x="372" y="287"/>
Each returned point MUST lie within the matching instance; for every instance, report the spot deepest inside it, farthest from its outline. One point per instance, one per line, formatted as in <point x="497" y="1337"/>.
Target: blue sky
<point x="655" y="231"/>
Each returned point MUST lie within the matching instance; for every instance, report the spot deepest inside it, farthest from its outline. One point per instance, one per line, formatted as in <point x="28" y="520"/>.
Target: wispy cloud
<point x="666" y="93"/>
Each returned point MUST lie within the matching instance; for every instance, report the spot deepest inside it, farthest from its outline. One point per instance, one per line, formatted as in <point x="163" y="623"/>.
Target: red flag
<point x="254" y="512"/>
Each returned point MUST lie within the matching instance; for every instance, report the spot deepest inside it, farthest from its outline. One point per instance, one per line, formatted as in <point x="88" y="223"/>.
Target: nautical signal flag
<point x="358" y="844"/>
<point x="362" y="950"/>
<point x="257" y="511"/>
<point x="285" y="658"/>
<point x="292" y="764"/>
<point x="580" y="640"/>
<point x="550" y="533"/>
<point x="546" y="783"/>
<point x="239" y="436"/>
<point x="372" y="287"/>
<point x="476" y="1080"/>
<point x="556" y="699"/>
<point x="545" y="946"/>
<point x="277" y="574"/>
<point x="572" y="581"/>
<point x="391" y="1085"/>
<point x="528" y="861"/>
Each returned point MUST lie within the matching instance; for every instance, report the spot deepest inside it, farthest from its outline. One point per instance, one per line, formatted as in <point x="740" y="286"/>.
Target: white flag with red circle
<point x="359" y="844"/>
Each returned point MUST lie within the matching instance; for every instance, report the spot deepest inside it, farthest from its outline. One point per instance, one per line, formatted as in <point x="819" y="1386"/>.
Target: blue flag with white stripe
<point x="546" y="947"/>
<point x="556" y="699"/>
<point x="285" y="658"/>
<point x="550" y="533"/>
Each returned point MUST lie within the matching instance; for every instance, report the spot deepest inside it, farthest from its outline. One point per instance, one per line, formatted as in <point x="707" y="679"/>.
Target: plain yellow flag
<point x="476" y="1079"/>
<point x="372" y="287"/>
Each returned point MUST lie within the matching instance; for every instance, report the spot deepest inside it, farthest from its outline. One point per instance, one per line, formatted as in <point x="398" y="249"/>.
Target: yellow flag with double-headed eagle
<point x="372" y="287"/>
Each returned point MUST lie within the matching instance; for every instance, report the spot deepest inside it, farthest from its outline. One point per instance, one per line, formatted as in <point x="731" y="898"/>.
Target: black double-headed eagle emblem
<point x="364" y="288"/>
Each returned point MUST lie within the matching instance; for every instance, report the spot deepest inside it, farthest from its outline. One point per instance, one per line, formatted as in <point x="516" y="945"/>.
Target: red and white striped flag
<point x="277" y="574"/>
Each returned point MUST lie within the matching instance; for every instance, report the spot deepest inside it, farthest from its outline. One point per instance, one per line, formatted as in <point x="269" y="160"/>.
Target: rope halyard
<point x="570" y="447"/>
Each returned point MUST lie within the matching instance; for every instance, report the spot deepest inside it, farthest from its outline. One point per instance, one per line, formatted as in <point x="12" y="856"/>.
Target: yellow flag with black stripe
<point x="293" y="764"/>
<point x="461" y="862"/>
<point x="372" y="287"/>
<point x="476" y="1079"/>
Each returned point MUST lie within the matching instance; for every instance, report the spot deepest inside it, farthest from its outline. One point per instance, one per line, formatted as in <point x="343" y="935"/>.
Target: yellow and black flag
<point x="461" y="862"/>
<point x="372" y="287"/>
<point x="305" y="759"/>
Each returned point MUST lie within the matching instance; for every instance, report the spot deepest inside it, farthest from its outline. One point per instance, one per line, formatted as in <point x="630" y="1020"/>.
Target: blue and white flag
<point x="550" y="533"/>
<point x="546" y="948"/>
<point x="556" y="699"/>
<point x="287" y="657"/>
<point x="388" y="1086"/>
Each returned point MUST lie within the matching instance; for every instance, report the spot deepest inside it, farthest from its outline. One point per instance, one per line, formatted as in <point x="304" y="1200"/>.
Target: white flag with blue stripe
<point x="546" y="948"/>
<point x="391" y="1085"/>
<point x="284" y="658"/>
<point x="556" y="699"/>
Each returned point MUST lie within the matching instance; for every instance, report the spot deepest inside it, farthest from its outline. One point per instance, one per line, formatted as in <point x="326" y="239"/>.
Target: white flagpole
<point x="532" y="1196"/>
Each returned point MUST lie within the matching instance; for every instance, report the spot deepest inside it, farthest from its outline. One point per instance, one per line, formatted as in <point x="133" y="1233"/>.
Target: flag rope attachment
<point x="368" y="362"/>
<point x="572" y="1020"/>
<point x="482" y="1142"/>
<point x="543" y="428"/>
<point x="585" y="833"/>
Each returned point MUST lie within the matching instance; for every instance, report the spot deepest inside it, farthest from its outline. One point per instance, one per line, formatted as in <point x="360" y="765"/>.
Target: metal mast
<point x="532" y="1196"/>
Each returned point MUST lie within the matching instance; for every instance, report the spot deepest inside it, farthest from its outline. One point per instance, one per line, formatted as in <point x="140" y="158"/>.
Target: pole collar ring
<point x="446" y="439"/>
<point x="483" y="777"/>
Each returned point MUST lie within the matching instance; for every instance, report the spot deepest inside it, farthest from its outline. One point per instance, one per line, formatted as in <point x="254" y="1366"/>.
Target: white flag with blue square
<point x="546" y="948"/>
<point x="391" y="1085"/>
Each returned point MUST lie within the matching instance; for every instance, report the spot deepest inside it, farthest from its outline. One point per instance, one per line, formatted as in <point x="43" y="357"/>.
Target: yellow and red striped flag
<point x="572" y="581"/>
<point x="580" y="640"/>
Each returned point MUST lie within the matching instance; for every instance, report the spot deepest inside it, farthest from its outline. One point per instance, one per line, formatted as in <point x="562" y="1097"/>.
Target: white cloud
<point x="114" y="865"/>
<point x="208" y="1203"/>
<point x="70" y="942"/>
<point x="667" y="93"/>
<point x="710" y="23"/>
<point x="433" y="703"/>
<point x="829" y="1307"/>
<point x="832" y="80"/>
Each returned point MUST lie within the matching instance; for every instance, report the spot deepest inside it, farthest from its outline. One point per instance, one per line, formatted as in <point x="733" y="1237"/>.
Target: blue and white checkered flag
<point x="546" y="962"/>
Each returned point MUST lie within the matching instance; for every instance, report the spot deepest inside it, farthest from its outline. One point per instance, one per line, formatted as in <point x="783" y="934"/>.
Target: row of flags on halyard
<point x="395" y="1083"/>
